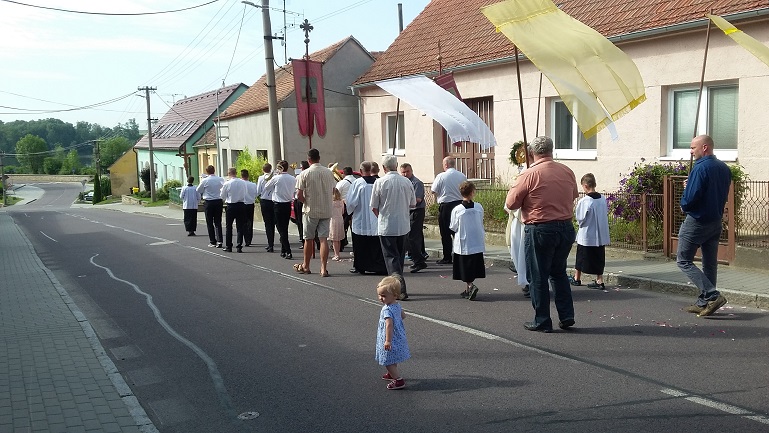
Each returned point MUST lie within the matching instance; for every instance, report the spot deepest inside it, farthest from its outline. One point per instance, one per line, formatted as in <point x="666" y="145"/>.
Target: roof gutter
<point x="642" y="34"/>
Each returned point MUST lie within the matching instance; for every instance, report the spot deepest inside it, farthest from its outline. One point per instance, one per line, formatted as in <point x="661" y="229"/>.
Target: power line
<point x="74" y="108"/>
<point x="108" y="13"/>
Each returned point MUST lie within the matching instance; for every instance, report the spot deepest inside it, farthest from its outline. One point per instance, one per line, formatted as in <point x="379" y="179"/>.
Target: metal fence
<point x="752" y="217"/>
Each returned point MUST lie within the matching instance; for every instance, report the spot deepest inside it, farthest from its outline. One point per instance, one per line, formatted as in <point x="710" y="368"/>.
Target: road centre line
<point x="41" y="232"/>
<point x="723" y="407"/>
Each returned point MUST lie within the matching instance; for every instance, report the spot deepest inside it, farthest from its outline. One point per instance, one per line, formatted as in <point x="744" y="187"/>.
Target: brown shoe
<point x="712" y="306"/>
<point x="696" y="309"/>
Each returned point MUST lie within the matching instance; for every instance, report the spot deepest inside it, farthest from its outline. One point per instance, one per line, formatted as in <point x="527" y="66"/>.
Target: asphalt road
<point x="203" y="337"/>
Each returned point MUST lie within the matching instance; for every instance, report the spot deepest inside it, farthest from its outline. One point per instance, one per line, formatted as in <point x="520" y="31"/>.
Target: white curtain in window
<point x="722" y="122"/>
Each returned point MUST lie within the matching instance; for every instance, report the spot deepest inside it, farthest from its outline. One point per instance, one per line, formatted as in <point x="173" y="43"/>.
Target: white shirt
<point x="234" y="191"/>
<point x="592" y="217"/>
<point x="261" y="192"/>
<point x="211" y="187"/>
<point x="446" y="186"/>
<point x="282" y="186"/>
<point x="364" y="222"/>
<point x="393" y="196"/>
<point x="467" y="224"/>
<point x="344" y="185"/>
<point x="190" y="197"/>
<point x="250" y="192"/>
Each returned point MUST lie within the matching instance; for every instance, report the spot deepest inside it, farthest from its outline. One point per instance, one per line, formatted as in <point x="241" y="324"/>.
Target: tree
<point x="31" y="150"/>
<point x="252" y="164"/>
<point x="71" y="163"/>
<point x="113" y="149"/>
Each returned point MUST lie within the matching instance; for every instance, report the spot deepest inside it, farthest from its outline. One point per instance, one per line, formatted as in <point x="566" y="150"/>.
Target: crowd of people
<point x="386" y="214"/>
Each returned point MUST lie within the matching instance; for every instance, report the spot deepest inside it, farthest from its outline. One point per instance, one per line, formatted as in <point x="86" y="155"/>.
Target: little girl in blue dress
<point x="391" y="345"/>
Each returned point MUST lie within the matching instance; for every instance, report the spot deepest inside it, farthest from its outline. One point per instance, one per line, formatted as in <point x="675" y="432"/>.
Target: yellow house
<point x="124" y="173"/>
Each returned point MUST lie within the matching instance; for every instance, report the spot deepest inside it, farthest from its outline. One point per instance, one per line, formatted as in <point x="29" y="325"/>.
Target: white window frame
<point x="729" y="155"/>
<point x="574" y="152"/>
<point x="400" y="147"/>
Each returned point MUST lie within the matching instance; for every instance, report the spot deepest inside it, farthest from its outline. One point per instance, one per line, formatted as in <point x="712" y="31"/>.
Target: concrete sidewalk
<point x="742" y="286"/>
<point x="54" y="373"/>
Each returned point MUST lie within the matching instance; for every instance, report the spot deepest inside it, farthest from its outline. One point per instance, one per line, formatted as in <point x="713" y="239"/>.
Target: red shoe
<point x="397" y="384"/>
<point x="387" y="376"/>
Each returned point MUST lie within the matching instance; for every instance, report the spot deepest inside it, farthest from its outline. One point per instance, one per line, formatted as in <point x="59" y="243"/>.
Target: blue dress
<point x="399" y="351"/>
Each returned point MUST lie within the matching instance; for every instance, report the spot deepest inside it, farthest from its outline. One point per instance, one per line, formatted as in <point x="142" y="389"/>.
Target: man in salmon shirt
<point x="545" y="193"/>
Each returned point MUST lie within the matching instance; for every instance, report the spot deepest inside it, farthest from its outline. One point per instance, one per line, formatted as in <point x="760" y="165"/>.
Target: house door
<point x="471" y="160"/>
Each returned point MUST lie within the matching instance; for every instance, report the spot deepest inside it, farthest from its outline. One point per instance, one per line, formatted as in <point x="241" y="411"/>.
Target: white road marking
<point x="723" y="407"/>
<point x="48" y="236"/>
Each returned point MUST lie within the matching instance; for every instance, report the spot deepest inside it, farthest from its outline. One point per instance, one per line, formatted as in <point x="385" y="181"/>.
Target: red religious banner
<point x="308" y="86"/>
<point x="447" y="82"/>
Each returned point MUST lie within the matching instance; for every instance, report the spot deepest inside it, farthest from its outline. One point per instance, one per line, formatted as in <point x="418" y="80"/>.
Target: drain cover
<point x="248" y="415"/>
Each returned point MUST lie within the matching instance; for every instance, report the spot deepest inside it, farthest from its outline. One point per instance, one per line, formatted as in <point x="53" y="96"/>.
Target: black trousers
<point x="393" y="251"/>
<point x="415" y="240"/>
<point x="190" y="219"/>
<point x="213" y="211"/>
<point x="282" y="217"/>
<point x="236" y="212"/>
<point x="268" y="216"/>
<point x="248" y="232"/>
<point x="298" y="218"/>
<point x="447" y="235"/>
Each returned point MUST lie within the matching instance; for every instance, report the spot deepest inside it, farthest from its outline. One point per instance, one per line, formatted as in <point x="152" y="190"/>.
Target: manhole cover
<point x="248" y="415"/>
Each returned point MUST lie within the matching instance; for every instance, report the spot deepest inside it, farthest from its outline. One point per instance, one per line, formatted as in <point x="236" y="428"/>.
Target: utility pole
<point x="98" y="195"/>
<point x="272" y="98"/>
<point x="149" y="139"/>
<point x="2" y="178"/>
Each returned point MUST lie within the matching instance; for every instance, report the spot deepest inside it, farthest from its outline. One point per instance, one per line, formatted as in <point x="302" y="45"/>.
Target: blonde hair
<point x="392" y="285"/>
<point x="337" y="195"/>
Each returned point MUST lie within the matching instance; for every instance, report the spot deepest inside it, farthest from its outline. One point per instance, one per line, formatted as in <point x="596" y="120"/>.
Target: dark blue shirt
<point x="707" y="189"/>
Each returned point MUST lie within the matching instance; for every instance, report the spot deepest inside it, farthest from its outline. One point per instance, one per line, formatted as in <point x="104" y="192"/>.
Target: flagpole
<point x="520" y="100"/>
<point x="702" y="84"/>
<point x="539" y="103"/>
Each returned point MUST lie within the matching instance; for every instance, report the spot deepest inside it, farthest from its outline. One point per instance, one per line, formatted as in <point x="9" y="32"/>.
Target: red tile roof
<point x="255" y="98"/>
<point x="466" y="37"/>
<point x="185" y="118"/>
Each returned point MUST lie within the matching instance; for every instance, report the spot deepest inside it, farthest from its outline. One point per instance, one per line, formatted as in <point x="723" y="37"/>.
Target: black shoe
<point x="289" y="256"/>
<point x="531" y="326"/>
<point x="270" y="250"/>
<point x="473" y="293"/>
<point x="267" y="248"/>
<point x="443" y="262"/>
<point x="566" y="323"/>
<point x="219" y="246"/>
<point x="417" y="267"/>
<point x="596" y="285"/>
<point x="404" y="296"/>
<point x="240" y="249"/>
<point x="464" y="294"/>
<point x="301" y="245"/>
<point x="526" y="291"/>
<point x="228" y="250"/>
<point x="512" y="267"/>
<point x="283" y="255"/>
<point x="248" y="245"/>
<point x="354" y="271"/>
<point x="191" y="234"/>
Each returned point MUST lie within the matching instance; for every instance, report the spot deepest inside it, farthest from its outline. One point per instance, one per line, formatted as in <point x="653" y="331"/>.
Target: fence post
<point x="644" y="224"/>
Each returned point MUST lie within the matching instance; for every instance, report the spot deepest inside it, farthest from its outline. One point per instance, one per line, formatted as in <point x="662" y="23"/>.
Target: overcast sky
<point x="55" y="60"/>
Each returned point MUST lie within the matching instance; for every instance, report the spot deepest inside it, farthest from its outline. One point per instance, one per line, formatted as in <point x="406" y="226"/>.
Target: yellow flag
<point x="595" y="79"/>
<point x="755" y="47"/>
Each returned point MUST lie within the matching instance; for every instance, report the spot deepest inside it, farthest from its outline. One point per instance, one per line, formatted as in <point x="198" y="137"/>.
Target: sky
<point x="53" y="63"/>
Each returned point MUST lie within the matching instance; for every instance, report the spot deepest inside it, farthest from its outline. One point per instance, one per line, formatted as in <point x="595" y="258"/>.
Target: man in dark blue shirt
<point x="703" y="200"/>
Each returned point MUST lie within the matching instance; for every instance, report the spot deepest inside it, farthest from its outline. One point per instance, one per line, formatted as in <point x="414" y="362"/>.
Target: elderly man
<point x="391" y="199"/>
<point x="545" y="194"/>
<point x="703" y="200"/>
<point x="446" y="190"/>
<point x="416" y="238"/>
<point x="367" y="250"/>
<point x="315" y="187"/>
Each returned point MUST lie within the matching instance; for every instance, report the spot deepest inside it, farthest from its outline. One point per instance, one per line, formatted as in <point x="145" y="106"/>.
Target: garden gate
<point x="673" y="218"/>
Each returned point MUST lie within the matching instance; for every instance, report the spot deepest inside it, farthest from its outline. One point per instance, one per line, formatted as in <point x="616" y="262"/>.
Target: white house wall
<point x="664" y="63"/>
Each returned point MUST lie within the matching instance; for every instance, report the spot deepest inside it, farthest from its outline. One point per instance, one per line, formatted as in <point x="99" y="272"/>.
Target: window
<point x="568" y="139"/>
<point x="391" y="140"/>
<point x="717" y="118"/>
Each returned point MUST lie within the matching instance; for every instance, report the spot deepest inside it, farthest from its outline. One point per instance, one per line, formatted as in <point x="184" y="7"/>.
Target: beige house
<point x="665" y="39"/>
<point x="124" y="173"/>
<point x="246" y="123"/>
